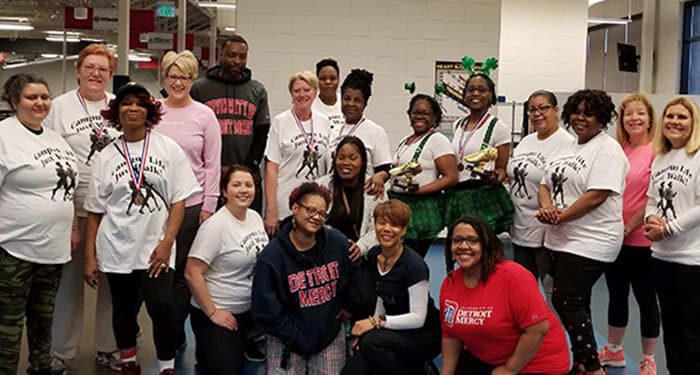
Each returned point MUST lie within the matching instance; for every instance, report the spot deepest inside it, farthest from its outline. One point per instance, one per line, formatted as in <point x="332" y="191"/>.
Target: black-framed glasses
<point x="470" y="240"/>
<point x="542" y="109"/>
<point x="313" y="211"/>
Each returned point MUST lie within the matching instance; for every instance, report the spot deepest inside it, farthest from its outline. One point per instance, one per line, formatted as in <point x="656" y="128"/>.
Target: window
<point x="690" y="69"/>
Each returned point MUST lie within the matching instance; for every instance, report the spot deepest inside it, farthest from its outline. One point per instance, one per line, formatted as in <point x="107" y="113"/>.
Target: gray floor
<point x="85" y="365"/>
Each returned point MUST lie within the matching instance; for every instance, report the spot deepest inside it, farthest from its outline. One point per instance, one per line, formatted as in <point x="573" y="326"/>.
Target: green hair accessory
<point x="490" y="64"/>
<point x="410" y="86"/>
<point x="440" y="89"/>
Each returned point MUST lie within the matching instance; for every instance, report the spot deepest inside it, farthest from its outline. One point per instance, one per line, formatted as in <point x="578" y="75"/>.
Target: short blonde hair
<point x="184" y="60"/>
<point x="622" y="136"/>
<point x="662" y="145"/>
<point x="305" y="76"/>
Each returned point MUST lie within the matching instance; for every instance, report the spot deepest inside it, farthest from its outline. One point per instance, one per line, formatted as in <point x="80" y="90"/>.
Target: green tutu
<point x="489" y="202"/>
<point x="426" y="214"/>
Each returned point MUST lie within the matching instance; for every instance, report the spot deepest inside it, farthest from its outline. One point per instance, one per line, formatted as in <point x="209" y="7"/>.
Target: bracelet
<point x="373" y="322"/>
<point x="211" y="313"/>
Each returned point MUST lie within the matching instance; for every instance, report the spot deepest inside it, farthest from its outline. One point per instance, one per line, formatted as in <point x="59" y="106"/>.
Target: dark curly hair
<point x="309" y="188"/>
<point x="433" y="104"/>
<point x="359" y="79"/>
<point x="14" y="85"/>
<point x="153" y="107"/>
<point x="327" y="62"/>
<point x="597" y="103"/>
<point x="489" y="83"/>
<point x="492" y="249"/>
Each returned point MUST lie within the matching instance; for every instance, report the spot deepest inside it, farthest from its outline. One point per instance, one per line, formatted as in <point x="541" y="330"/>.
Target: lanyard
<point x="463" y="142"/>
<point x="137" y="180"/>
<point x="309" y="137"/>
<point x="83" y="103"/>
<point x="404" y="145"/>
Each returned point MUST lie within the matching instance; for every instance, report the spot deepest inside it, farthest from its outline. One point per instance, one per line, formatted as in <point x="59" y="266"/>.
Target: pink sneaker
<point x="647" y="366"/>
<point x="610" y="358"/>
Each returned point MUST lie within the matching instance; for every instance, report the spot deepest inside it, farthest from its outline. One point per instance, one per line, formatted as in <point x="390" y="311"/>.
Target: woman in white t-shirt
<point x="356" y="90"/>
<point x="525" y="170"/>
<point x="220" y="275"/>
<point x="38" y="178"/>
<point x="480" y="191"/>
<point x="424" y="165"/>
<point x="297" y="148"/>
<point x="672" y="218"/>
<point x="328" y="102"/>
<point x="76" y="116"/>
<point x="196" y="130"/>
<point x="581" y="201"/>
<point x="135" y="205"/>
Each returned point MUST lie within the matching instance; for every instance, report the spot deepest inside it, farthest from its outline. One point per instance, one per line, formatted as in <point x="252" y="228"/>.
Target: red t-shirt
<point x="489" y="318"/>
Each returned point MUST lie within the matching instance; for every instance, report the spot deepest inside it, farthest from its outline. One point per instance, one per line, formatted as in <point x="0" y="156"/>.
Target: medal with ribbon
<point x="464" y="141"/>
<point x="349" y="133"/>
<point x="99" y="138"/>
<point x="137" y="179"/>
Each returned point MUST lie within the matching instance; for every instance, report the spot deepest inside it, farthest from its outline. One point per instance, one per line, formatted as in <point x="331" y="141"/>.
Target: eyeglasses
<point x="94" y="68"/>
<point x="174" y="79"/>
<point x="477" y="89"/>
<point x="541" y="109"/>
<point x="471" y="241"/>
<point x="312" y="211"/>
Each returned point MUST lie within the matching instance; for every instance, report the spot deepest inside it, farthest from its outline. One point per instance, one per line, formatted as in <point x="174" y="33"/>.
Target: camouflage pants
<point x="26" y="289"/>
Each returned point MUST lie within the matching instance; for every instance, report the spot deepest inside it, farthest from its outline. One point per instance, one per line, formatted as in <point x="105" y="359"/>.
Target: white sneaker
<point x="109" y="359"/>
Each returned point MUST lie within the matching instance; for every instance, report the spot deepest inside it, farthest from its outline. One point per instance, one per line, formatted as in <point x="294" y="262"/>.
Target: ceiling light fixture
<point x="213" y="4"/>
<point x="16" y="24"/>
<point x="609" y="21"/>
<point x="229" y="29"/>
<point x="59" y="38"/>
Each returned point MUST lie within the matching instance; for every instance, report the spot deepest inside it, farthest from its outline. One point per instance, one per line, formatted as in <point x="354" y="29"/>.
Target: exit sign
<point x="166" y="10"/>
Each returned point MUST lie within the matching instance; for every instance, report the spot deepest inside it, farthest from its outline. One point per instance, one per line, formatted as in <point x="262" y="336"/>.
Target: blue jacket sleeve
<point x="268" y="309"/>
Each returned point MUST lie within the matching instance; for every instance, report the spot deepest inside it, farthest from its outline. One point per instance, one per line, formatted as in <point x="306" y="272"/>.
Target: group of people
<point x="168" y="209"/>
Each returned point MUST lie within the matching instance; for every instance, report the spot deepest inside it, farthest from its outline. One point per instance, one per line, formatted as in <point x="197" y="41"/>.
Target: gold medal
<point x="460" y="167"/>
<point x="139" y="200"/>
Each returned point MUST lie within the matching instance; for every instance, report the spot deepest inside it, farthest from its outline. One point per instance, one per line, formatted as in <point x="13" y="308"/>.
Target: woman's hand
<point x="655" y="228"/>
<point x="503" y="370"/>
<point x="203" y="216"/>
<point x="548" y="215"/>
<point x="224" y="319"/>
<point x="74" y="239"/>
<point x="361" y="327"/>
<point x="375" y="185"/>
<point x="90" y="272"/>
<point x="355" y="251"/>
<point x="160" y="259"/>
<point x="271" y="221"/>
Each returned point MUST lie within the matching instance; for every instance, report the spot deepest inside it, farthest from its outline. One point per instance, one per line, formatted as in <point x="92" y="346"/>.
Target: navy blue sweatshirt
<point x="296" y="297"/>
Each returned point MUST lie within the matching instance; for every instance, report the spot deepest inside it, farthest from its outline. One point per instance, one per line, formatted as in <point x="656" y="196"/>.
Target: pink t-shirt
<point x="489" y="319"/>
<point x="634" y="197"/>
<point x="196" y="129"/>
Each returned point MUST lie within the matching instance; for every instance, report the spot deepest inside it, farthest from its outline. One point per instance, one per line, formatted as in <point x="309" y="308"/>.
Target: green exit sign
<point x="165" y="10"/>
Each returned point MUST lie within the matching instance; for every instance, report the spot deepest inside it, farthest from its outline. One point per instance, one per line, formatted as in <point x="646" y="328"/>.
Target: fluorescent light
<point x="139" y="58"/>
<point x="16" y="26"/>
<point x="229" y="28"/>
<point x="594" y="2"/>
<point x="51" y="55"/>
<point x="91" y="40"/>
<point x="609" y="21"/>
<point x="59" y="38"/>
<point x="212" y="4"/>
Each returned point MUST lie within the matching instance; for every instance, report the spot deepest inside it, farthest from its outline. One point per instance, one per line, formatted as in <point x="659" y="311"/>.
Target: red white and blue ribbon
<point x="309" y="137"/>
<point x="137" y="179"/>
<point x="464" y="141"/>
<point x="83" y="103"/>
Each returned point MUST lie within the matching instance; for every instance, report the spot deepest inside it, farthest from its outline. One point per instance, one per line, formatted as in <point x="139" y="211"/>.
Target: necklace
<point x="386" y="259"/>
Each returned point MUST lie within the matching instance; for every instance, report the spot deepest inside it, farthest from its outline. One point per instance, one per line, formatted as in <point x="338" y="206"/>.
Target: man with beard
<point x="240" y="104"/>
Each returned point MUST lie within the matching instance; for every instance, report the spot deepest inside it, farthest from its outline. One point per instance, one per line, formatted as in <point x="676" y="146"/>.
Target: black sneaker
<point x="429" y="368"/>
<point x="253" y="349"/>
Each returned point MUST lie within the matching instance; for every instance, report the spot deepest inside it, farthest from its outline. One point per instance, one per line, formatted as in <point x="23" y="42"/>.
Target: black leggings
<point x="468" y="364"/>
<point x="680" y="308"/>
<point x="181" y="292"/>
<point x="634" y="267"/>
<point x="127" y="292"/>
<point x="574" y="277"/>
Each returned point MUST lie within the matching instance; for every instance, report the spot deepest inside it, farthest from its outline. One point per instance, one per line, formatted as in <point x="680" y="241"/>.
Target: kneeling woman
<point x="300" y="285"/>
<point x="135" y="205"/>
<point x="403" y="328"/>
<point x="494" y="318"/>
<point x="219" y="273"/>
